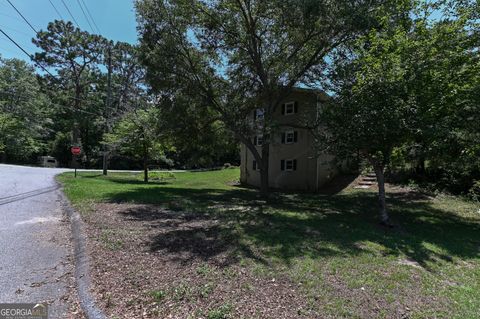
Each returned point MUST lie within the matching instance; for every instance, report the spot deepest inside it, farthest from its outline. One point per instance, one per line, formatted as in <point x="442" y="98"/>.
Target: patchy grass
<point x="108" y="241"/>
<point x="157" y="295"/>
<point x="218" y="251"/>
<point x="221" y="312"/>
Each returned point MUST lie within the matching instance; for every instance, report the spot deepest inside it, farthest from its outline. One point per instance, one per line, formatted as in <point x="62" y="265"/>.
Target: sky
<point x="115" y="20"/>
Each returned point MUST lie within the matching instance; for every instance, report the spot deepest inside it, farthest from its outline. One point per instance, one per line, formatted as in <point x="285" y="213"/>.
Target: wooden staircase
<point x="366" y="181"/>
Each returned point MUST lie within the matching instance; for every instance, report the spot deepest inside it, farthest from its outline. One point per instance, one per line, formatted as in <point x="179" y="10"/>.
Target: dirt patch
<point x="148" y="262"/>
<point x="151" y="262"/>
<point x="410" y="262"/>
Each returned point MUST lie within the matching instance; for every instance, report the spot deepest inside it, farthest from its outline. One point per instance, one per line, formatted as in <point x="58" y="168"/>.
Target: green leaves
<point x="411" y="85"/>
<point x="23" y="112"/>
<point x="235" y="56"/>
<point x="139" y="134"/>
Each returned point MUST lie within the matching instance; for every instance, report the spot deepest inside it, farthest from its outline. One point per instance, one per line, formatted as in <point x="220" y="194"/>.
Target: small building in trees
<point x="294" y="161"/>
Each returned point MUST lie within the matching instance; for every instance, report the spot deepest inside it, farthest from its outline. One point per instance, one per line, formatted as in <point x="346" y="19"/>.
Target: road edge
<point x="81" y="260"/>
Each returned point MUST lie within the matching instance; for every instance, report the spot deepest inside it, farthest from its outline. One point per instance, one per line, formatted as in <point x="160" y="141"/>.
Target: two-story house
<point x="294" y="164"/>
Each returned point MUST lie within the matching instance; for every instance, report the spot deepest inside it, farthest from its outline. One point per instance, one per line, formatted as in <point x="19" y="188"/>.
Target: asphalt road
<point x="35" y="249"/>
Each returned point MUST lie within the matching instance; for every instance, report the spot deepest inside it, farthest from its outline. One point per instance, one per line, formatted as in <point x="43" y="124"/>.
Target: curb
<point x="82" y="274"/>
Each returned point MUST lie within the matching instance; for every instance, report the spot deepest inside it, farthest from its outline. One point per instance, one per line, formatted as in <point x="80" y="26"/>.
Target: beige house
<point x="293" y="162"/>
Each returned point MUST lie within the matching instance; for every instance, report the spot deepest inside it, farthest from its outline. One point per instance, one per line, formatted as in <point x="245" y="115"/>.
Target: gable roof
<point x="320" y="93"/>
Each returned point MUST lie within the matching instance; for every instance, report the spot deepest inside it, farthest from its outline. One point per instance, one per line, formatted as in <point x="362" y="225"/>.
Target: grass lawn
<point x="194" y="245"/>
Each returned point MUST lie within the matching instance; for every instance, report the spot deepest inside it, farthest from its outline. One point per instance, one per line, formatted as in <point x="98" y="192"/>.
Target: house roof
<point x="322" y="94"/>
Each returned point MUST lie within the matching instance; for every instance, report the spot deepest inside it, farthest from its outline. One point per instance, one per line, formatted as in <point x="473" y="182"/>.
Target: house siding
<point x="312" y="171"/>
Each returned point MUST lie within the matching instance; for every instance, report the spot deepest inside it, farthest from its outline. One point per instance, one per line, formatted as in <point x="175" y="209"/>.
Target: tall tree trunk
<point x="145" y="167"/>
<point x="85" y="146"/>
<point x="76" y="141"/>
<point x="420" y="169"/>
<point x="262" y="160"/>
<point x="76" y="134"/>
<point x="379" y="173"/>
<point x="264" y="168"/>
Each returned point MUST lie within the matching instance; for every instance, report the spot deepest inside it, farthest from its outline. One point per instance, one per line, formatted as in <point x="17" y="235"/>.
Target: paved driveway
<point x="35" y="249"/>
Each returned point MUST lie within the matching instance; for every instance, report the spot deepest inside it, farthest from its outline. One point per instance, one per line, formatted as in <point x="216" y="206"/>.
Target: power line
<point x="10" y="16"/>
<point x="25" y="19"/>
<point x="32" y="59"/>
<point x="80" y="99"/>
<point x="24" y="51"/>
<point x="24" y="98"/>
<point x="55" y="8"/>
<point x="18" y="45"/>
<point x="91" y="17"/>
<point x="75" y="110"/>
<point x="65" y="106"/>
<point x="41" y="66"/>
<point x="85" y="15"/>
<point x="107" y="105"/>
<point x="71" y="15"/>
<point x="15" y="30"/>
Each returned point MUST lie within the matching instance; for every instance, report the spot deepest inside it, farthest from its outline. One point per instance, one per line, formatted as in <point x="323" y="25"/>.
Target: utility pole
<point x="107" y="107"/>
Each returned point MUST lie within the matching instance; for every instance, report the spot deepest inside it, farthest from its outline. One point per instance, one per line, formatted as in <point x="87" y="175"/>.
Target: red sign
<point x="76" y="150"/>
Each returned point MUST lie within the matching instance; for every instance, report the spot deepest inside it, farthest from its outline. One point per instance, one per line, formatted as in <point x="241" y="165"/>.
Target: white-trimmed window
<point x="289" y="108"/>
<point x="289" y="137"/>
<point x="288" y="165"/>
<point x="258" y="140"/>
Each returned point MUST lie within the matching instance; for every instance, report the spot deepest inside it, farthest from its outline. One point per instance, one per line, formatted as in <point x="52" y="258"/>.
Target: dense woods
<point x="46" y="113"/>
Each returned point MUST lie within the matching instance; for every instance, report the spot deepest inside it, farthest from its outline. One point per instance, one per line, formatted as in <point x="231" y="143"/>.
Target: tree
<point x="444" y="82"/>
<point x="81" y="85"/>
<point x="125" y="84"/>
<point x="74" y="55"/>
<point x="128" y="76"/>
<point x="200" y="138"/>
<point x="24" y="118"/>
<point x="371" y="112"/>
<point x="409" y="85"/>
<point x="234" y="56"/>
<point x="139" y="135"/>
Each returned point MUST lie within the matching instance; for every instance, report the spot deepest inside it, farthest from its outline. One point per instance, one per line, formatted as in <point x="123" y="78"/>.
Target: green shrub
<point x="221" y="312"/>
<point x="474" y="191"/>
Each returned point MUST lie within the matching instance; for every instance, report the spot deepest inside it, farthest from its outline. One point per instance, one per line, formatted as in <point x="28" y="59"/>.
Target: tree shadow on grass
<point x="126" y="178"/>
<point x="237" y="223"/>
<point x="90" y="175"/>
<point x="337" y="184"/>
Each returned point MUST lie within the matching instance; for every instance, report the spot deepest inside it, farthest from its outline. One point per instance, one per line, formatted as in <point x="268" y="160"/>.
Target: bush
<point x="474" y="191"/>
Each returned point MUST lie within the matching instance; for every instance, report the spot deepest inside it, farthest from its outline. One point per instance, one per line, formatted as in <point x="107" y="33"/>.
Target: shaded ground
<point x="179" y="265"/>
<point x="195" y="247"/>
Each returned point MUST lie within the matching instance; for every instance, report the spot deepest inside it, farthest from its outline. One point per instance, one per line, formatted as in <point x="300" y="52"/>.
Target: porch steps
<point x="366" y="181"/>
